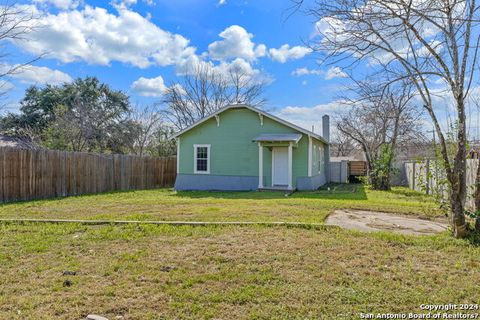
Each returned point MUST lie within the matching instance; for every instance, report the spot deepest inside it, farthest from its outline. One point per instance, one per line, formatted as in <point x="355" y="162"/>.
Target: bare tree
<point x="422" y="41"/>
<point x="341" y="145"/>
<point x="163" y="145"/>
<point x="146" y="123"/>
<point x="379" y="121"/>
<point x="243" y="88"/>
<point x="16" y="23"/>
<point x="204" y="90"/>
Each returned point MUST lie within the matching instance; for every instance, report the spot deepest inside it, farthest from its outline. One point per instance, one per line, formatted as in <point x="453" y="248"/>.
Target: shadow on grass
<point x="330" y="192"/>
<point x="59" y="198"/>
<point x="407" y="192"/>
<point x="474" y="238"/>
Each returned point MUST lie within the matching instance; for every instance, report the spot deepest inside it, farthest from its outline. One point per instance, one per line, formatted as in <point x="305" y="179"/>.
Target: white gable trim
<point x="178" y="155"/>
<point x="260" y="112"/>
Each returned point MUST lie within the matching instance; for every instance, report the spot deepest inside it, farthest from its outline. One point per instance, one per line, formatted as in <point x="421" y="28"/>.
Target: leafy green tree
<point x="382" y="168"/>
<point x="85" y="115"/>
<point x="90" y="117"/>
<point x="161" y="145"/>
<point x="37" y="111"/>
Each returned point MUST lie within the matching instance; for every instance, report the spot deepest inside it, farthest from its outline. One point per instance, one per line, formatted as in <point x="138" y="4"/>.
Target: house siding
<point x="233" y="154"/>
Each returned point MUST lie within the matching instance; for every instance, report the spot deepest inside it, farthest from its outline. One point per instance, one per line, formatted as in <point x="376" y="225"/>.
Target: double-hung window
<point x="202" y="158"/>
<point x="321" y="159"/>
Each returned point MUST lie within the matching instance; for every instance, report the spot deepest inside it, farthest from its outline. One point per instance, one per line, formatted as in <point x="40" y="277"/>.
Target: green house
<point x="240" y="147"/>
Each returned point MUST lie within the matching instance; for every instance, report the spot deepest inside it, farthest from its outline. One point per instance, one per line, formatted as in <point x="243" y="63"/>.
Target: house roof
<point x="14" y="142"/>
<point x="278" y="137"/>
<point x="261" y="112"/>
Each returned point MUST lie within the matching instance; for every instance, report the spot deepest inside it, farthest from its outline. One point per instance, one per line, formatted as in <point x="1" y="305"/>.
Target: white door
<point x="280" y="166"/>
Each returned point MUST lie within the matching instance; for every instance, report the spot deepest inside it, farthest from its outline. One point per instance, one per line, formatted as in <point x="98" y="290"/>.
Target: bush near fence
<point x="39" y="174"/>
<point x="429" y="177"/>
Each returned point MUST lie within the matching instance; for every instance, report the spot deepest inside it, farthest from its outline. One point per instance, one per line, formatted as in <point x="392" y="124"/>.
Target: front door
<point x="280" y="166"/>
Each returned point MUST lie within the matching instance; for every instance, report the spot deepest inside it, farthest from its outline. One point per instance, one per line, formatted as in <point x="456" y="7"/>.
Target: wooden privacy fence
<point x="38" y="174"/>
<point x="357" y="168"/>
<point x="429" y="177"/>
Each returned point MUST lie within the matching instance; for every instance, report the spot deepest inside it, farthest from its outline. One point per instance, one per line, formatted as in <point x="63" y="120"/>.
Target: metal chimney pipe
<point x="326" y="127"/>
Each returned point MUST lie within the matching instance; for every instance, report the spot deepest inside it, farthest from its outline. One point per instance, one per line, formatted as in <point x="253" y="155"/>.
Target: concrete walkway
<point x="370" y="221"/>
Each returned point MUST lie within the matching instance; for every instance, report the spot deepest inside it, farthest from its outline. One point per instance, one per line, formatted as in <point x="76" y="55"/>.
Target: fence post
<point x="427" y="170"/>
<point x="413" y="175"/>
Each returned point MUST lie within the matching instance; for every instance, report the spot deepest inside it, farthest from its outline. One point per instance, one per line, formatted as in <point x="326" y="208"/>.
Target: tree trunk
<point x="385" y="182"/>
<point x="458" y="182"/>
<point x="380" y="182"/>
<point x="459" y="225"/>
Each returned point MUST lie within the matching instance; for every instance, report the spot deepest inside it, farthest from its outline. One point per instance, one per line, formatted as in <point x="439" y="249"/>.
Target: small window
<point x="320" y="159"/>
<point x="202" y="158"/>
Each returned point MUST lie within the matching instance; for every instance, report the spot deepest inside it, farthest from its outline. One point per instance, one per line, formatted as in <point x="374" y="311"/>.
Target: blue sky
<point x="141" y="46"/>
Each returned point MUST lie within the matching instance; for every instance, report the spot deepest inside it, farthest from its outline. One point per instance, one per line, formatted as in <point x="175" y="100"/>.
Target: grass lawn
<point x="226" y="272"/>
<point x="164" y="272"/>
<point x="165" y="204"/>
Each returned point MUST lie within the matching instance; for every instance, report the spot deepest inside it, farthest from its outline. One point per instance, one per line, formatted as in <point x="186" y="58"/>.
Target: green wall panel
<point x="232" y="150"/>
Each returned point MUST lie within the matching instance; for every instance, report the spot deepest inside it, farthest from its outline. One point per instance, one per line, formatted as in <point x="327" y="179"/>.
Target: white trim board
<point x="178" y="155"/>
<point x="310" y="156"/>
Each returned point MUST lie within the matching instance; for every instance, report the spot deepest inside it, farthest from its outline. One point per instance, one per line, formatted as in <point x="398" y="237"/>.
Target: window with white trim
<point x="202" y="158"/>
<point x="318" y="159"/>
<point x="321" y="160"/>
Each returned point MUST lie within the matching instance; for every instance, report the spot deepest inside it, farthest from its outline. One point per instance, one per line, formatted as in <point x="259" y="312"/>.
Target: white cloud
<point x="224" y="68"/>
<point x="98" y="37"/>
<point x="307" y="113"/>
<point x="236" y="43"/>
<point x="9" y="106"/>
<point x="306" y="117"/>
<point x="5" y="86"/>
<point x="285" y="53"/>
<point x="238" y="64"/>
<point x="61" y="4"/>
<point x="331" y="73"/>
<point x="222" y="2"/>
<point x="155" y="87"/>
<point x="245" y="68"/>
<point x="179" y="88"/>
<point x="335" y="30"/>
<point x="329" y="27"/>
<point x="123" y="3"/>
<point x="149" y="87"/>
<point x="305" y="71"/>
<point x="334" y="72"/>
<point x="36" y="75"/>
<point x="190" y="64"/>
